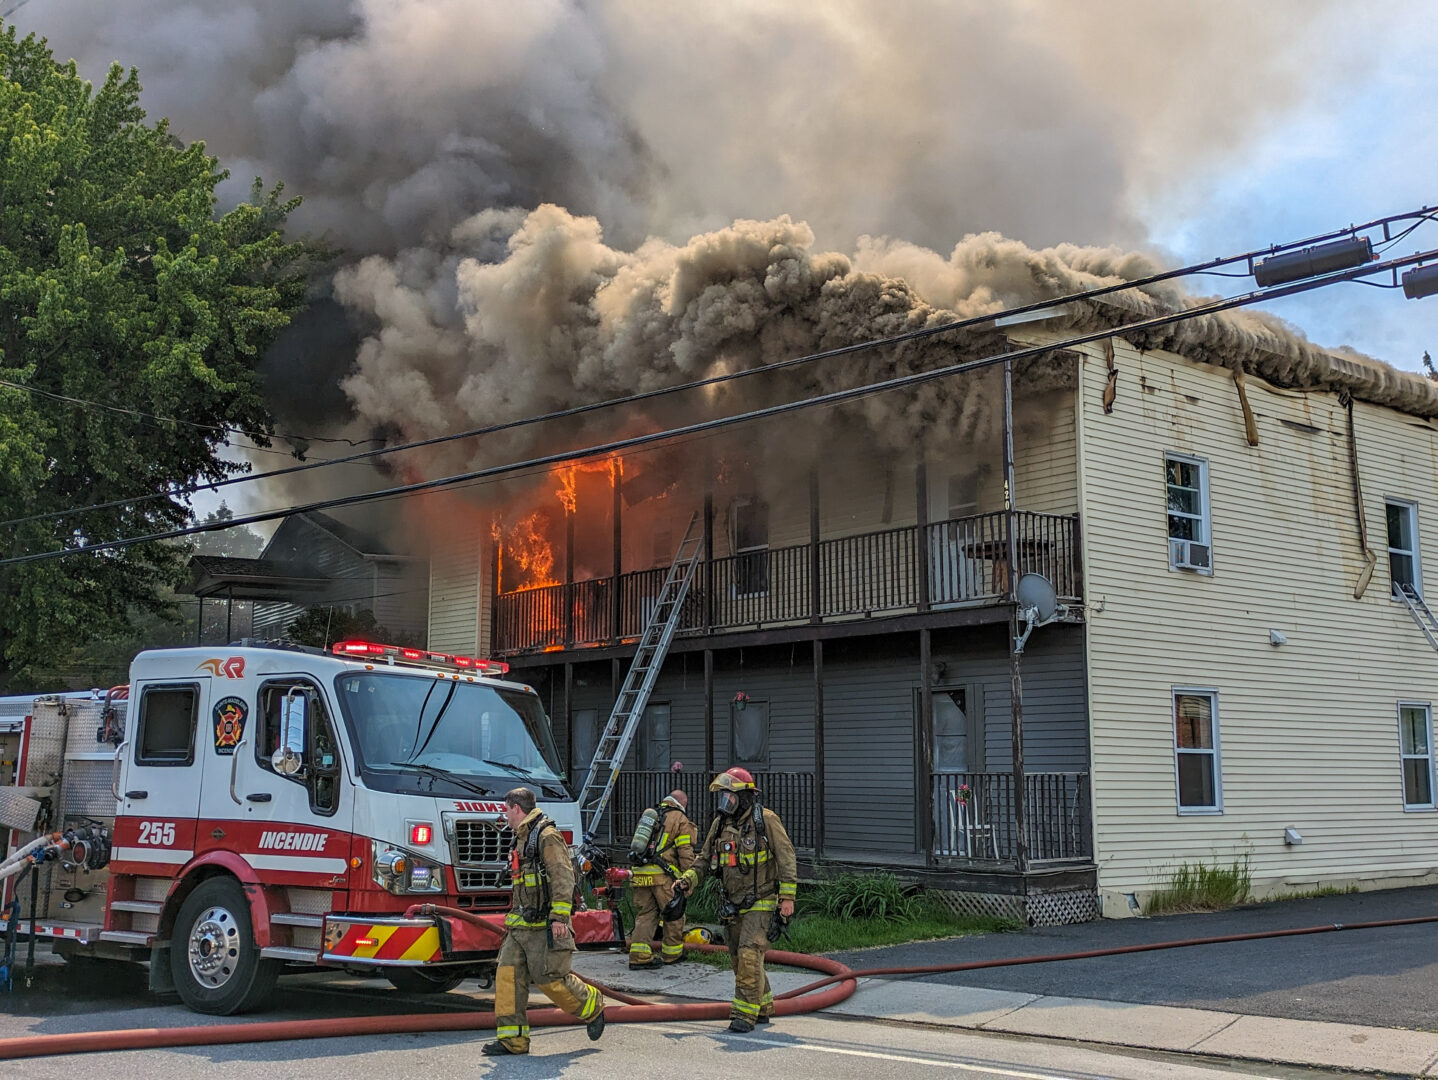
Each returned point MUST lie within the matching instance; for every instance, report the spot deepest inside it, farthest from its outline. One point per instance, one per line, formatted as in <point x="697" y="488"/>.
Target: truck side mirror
<point x="294" y="715"/>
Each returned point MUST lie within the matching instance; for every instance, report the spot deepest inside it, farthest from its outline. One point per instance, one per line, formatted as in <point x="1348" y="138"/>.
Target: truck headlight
<point x="401" y="872"/>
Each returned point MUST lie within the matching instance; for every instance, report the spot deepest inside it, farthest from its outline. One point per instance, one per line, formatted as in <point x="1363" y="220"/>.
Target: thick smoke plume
<point x="549" y="202"/>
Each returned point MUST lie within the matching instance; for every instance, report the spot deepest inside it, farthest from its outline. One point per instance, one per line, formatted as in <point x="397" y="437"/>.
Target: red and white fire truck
<point x="238" y="810"/>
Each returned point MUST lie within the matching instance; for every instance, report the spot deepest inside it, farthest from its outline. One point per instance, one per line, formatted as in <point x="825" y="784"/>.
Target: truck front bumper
<point x="400" y="942"/>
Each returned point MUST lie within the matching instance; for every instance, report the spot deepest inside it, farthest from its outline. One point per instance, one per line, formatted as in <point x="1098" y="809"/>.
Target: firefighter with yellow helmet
<point x="749" y="850"/>
<point x="538" y="939"/>
<point x="662" y="849"/>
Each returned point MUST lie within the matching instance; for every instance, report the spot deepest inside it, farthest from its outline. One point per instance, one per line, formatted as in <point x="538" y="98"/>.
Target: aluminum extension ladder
<point x="628" y="710"/>
<point x="1420" y="612"/>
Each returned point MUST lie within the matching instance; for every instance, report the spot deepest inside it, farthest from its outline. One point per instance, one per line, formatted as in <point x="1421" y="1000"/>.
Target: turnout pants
<point x="525" y="957"/>
<point x="649" y="900"/>
<point x="748" y="937"/>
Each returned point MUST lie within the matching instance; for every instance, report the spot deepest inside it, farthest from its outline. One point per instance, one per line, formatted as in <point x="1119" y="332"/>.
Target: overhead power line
<point x="1418" y="216"/>
<point x="668" y="434"/>
<point x="159" y="421"/>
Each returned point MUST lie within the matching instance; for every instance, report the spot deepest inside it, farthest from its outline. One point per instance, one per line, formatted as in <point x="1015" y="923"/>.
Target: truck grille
<point x="481" y="843"/>
<point x="475" y="880"/>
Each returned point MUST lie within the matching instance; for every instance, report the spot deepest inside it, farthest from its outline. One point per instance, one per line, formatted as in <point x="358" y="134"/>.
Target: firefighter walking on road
<point x="538" y="941"/>
<point x="662" y="849"/>
<point x="749" y="850"/>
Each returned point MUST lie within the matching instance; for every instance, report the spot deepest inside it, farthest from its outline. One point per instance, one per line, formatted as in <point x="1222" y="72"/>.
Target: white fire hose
<point x="13" y="863"/>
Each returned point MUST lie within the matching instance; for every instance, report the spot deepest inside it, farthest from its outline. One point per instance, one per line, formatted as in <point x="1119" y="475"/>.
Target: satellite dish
<point x="1036" y="594"/>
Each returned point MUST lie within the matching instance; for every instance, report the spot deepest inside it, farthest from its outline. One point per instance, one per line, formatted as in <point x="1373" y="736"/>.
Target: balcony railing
<point x="943" y="564"/>
<point x="974" y="817"/>
<point x="788" y="794"/>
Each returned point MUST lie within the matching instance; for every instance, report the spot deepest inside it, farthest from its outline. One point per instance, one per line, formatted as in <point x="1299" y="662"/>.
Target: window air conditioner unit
<point x="1189" y="555"/>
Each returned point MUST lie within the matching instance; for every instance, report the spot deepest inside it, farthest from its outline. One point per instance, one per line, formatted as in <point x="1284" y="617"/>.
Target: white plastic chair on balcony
<point x="973" y="838"/>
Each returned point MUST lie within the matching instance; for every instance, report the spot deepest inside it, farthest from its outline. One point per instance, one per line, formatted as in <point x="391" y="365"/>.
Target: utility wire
<point x="159" y="421"/>
<point x="1423" y="214"/>
<point x="668" y="434"/>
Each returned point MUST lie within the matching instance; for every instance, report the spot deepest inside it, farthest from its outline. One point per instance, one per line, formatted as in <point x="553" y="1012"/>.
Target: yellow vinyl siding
<point x="1044" y="453"/>
<point x="1308" y="731"/>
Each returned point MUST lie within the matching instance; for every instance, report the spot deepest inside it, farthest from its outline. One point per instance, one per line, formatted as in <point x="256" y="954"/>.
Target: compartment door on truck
<point x="287" y="814"/>
<point x="160" y="776"/>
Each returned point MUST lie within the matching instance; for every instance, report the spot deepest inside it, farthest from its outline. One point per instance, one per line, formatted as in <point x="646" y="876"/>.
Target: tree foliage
<point x="322" y="626"/>
<point x="120" y="287"/>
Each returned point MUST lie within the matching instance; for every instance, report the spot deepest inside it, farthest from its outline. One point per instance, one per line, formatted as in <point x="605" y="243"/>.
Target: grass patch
<point x="1197" y="887"/>
<point x="1311" y="894"/>
<point x="853" y="911"/>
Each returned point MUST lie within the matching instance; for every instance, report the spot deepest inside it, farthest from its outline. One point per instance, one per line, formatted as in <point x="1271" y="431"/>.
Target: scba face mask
<point x="727" y="802"/>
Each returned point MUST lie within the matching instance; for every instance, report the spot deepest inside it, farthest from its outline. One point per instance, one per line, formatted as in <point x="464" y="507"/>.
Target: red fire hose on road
<point x="281" y="1030"/>
<point x="838" y="985"/>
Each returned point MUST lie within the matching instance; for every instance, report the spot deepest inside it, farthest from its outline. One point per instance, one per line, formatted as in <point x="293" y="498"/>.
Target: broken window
<point x="749" y="523"/>
<point x="1403" y="546"/>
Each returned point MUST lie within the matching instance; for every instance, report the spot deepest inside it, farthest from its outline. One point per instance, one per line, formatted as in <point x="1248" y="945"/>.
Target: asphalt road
<point x="1382" y="977"/>
<point x="1386" y="977"/>
<point x="804" y="1046"/>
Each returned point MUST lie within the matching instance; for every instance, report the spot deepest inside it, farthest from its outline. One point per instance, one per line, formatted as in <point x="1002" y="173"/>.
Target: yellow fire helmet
<point x="700" y="935"/>
<point x="735" y="779"/>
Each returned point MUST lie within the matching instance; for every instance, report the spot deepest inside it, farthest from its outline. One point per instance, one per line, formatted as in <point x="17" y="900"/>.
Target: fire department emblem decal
<point x="230" y="715"/>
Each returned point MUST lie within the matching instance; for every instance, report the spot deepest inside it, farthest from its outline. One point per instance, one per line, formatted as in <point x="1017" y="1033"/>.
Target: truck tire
<point x="216" y="967"/>
<point x="419" y="981"/>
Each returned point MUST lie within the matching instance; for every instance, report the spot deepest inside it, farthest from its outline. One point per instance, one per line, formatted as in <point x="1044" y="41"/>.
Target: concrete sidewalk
<point x="1213" y="1033"/>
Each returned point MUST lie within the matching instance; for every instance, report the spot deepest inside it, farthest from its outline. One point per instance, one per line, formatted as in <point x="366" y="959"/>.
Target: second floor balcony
<point x="912" y="568"/>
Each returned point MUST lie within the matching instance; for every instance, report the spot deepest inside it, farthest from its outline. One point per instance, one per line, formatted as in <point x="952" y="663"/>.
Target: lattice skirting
<point x="1057" y="908"/>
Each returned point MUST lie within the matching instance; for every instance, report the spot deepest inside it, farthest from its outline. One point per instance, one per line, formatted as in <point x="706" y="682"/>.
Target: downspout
<point x="1371" y="558"/>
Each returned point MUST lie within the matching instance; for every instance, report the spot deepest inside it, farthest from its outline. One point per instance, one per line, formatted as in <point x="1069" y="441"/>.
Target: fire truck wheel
<point x="213" y="959"/>
<point x="415" y="981"/>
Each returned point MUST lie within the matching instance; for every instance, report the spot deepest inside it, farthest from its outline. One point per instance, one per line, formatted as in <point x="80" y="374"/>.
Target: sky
<point x="424" y="135"/>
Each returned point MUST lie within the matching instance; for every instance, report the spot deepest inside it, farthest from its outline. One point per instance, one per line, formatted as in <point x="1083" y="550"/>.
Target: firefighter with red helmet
<point x="749" y="850"/>
<point x="666" y="851"/>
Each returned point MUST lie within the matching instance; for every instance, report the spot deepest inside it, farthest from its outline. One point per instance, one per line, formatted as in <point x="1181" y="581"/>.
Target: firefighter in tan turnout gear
<point x="749" y="850"/>
<point x="538" y="940"/>
<point x="662" y="849"/>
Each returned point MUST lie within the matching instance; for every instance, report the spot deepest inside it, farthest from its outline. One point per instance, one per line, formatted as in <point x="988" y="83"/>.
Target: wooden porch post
<point x="616" y="472"/>
<point x="818" y="748"/>
<point x="924" y="796"/>
<point x="921" y="531"/>
<point x="709" y="565"/>
<point x="567" y="593"/>
<point x="709" y="711"/>
<point x="1016" y="685"/>
<point x="814" y="545"/>
<point x="567" y="710"/>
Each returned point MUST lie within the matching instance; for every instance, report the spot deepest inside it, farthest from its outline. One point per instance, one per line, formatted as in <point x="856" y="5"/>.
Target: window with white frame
<point x="749" y="527"/>
<point x="1189" y="544"/>
<point x="1415" y="749"/>
<point x="1195" y="738"/>
<point x="1403" y="545"/>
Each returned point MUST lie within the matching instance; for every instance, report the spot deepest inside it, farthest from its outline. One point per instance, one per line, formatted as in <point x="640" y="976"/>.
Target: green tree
<point x="322" y="626"/>
<point x="119" y="287"/>
<point x="239" y="542"/>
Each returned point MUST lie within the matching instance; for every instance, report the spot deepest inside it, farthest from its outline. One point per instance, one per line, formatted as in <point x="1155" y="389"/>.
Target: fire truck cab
<point x="274" y="806"/>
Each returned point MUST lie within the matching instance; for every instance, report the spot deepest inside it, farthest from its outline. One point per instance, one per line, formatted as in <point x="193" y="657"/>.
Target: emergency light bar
<point x="357" y="649"/>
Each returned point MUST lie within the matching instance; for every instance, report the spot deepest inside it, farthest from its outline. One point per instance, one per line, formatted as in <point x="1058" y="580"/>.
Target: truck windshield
<point x="406" y="728"/>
